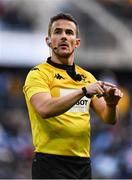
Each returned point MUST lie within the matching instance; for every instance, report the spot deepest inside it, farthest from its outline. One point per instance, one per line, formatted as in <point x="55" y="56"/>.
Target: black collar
<point x="61" y="66"/>
<point x="70" y="69"/>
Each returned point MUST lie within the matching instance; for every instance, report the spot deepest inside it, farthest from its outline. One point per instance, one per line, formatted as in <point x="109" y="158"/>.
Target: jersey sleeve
<point x="92" y="80"/>
<point x="36" y="82"/>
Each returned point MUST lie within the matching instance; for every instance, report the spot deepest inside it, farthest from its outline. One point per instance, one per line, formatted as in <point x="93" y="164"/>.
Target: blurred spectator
<point x="106" y="166"/>
<point x="13" y="17"/>
<point x="15" y="145"/>
<point x="15" y="136"/>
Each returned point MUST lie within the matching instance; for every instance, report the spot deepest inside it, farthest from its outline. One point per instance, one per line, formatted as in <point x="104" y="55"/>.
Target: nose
<point x="63" y="36"/>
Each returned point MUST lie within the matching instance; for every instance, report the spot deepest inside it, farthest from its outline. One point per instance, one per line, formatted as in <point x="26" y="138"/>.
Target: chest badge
<point x="58" y="76"/>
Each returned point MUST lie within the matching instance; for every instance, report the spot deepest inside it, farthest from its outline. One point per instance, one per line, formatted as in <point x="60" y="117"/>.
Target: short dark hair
<point x="64" y="16"/>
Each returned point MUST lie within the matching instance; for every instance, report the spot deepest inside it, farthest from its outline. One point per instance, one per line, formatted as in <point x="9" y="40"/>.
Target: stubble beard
<point x="63" y="55"/>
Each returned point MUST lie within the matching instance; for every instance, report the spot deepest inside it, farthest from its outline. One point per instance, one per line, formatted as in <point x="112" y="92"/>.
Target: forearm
<point x="54" y="106"/>
<point x="110" y="114"/>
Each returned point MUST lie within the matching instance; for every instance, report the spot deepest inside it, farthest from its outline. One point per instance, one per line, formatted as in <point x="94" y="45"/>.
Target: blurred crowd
<point x="111" y="146"/>
<point x="13" y="16"/>
<point x="15" y="136"/>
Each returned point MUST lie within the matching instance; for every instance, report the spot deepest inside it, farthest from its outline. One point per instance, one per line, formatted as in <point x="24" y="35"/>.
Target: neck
<point x="63" y="60"/>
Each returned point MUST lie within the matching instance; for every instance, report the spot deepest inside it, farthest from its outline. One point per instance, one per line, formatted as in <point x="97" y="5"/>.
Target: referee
<point x="59" y="95"/>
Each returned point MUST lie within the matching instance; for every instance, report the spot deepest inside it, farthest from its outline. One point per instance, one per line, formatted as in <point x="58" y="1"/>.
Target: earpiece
<point x="48" y="41"/>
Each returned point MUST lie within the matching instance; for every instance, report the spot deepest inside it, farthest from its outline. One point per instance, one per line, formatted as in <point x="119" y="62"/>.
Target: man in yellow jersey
<point x="59" y="95"/>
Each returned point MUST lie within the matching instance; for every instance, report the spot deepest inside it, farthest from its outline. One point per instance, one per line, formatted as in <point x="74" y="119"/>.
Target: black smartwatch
<point x="86" y="93"/>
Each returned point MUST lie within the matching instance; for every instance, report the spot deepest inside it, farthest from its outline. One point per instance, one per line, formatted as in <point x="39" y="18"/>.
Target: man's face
<point x="63" y="38"/>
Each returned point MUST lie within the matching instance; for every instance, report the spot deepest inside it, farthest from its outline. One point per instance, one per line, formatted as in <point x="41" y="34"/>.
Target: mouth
<point x="63" y="45"/>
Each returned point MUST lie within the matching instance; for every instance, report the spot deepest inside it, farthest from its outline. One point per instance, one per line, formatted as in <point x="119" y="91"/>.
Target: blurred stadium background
<point x="106" y="33"/>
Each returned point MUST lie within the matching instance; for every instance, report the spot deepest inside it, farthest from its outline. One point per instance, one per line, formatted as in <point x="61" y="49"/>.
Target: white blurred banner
<point x="22" y="49"/>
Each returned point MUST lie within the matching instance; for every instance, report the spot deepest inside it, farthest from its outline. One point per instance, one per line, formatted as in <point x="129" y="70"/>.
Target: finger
<point x="109" y="85"/>
<point x="99" y="91"/>
<point x="112" y="90"/>
<point x="118" y="93"/>
<point x="107" y="89"/>
<point x="100" y="83"/>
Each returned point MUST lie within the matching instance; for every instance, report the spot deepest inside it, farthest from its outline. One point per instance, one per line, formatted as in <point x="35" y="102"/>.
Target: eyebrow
<point x="62" y="28"/>
<point x="57" y="29"/>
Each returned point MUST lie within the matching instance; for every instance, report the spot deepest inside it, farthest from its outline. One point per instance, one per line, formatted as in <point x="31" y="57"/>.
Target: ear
<point x="48" y="41"/>
<point x="77" y="43"/>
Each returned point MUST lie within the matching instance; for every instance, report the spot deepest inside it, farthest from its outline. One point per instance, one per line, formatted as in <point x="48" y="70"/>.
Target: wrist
<point x="112" y="105"/>
<point x="84" y="90"/>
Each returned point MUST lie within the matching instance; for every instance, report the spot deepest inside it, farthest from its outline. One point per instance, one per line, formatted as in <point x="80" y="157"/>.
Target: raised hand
<point x="98" y="88"/>
<point x="110" y="92"/>
<point x="112" y="95"/>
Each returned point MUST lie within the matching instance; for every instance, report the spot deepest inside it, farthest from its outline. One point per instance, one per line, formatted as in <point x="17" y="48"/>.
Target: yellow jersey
<point x="66" y="134"/>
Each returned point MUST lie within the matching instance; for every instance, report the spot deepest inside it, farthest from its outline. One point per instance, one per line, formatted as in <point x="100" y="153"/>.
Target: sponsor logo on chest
<point x="80" y="106"/>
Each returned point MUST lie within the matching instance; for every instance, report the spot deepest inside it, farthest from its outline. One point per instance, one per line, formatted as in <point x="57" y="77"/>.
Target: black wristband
<point x="85" y="92"/>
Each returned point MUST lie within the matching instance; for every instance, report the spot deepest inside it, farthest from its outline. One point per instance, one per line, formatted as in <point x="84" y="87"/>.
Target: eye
<point x="57" y="31"/>
<point x="69" y="32"/>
